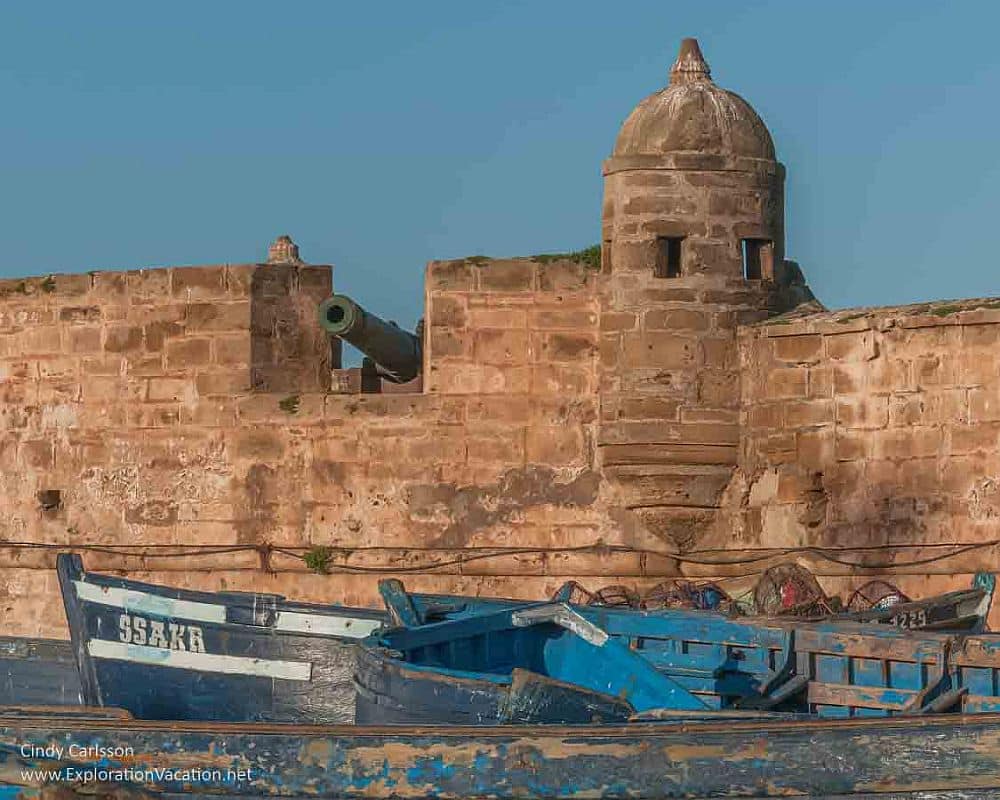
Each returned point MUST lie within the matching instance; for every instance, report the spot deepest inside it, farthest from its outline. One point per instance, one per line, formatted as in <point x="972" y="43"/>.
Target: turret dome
<point x="694" y="115"/>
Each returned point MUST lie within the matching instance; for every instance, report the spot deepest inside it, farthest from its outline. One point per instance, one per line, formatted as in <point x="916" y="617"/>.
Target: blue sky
<point x="381" y="135"/>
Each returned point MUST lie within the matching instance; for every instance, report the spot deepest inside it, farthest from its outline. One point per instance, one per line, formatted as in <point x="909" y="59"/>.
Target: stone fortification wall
<point x="177" y="407"/>
<point x="873" y="427"/>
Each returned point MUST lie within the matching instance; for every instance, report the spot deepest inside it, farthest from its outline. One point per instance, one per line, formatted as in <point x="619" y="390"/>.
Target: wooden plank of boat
<point x="38" y="672"/>
<point x="965" y="609"/>
<point x="932" y="757"/>
<point x="170" y="653"/>
<point x="537" y="663"/>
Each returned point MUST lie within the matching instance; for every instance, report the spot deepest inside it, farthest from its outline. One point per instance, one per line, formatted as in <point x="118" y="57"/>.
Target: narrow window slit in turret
<point x="668" y="257"/>
<point x="757" y="259"/>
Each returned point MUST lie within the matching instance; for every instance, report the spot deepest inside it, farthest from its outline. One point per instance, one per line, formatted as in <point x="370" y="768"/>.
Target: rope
<point x="473" y="554"/>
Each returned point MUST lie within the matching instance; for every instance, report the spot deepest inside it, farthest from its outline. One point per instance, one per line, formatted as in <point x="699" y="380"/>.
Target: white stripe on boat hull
<point x="287" y="621"/>
<point x="145" y="603"/>
<point x="201" y="662"/>
<point x="348" y="627"/>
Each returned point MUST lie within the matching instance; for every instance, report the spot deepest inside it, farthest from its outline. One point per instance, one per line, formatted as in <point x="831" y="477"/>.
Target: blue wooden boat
<point x="555" y="664"/>
<point x="489" y="669"/>
<point x="167" y="653"/>
<point x="164" y="653"/>
<point x="943" y="757"/>
<point x="38" y="672"/>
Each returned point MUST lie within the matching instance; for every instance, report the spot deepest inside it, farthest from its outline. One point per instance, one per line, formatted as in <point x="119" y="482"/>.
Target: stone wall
<point x="135" y="396"/>
<point x="873" y="427"/>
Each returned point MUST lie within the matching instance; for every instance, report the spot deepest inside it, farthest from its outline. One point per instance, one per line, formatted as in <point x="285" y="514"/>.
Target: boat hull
<point x="38" y="672"/>
<point x="172" y="654"/>
<point x="937" y="757"/>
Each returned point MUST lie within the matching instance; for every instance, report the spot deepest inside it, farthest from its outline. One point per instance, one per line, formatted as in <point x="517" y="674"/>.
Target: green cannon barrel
<point x="397" y="353"/>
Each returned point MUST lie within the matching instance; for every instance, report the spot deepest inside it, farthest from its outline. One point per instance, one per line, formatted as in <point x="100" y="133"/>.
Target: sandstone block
<point x="978" y="368"/>
<point x="769" y="415"/>
<point x="498" y="409"/>
<point x="76" y="284"/>
<point x="500" y="346"/>
<point x="806" y="413"/>
<point x="661" y="294"/>
<point x="56" y="367"/>
<point x="448" y="310"/>
<point x="450" y="276"/>
<point x="79" y="315"/>
<point x="982" y="437"/>
<point x="172" y="389"/>
<point x="84" y="339"/>
<point x="798" y="349"/>
<point x="719" y="352"/>
<point x="497" y="318"/>
<point x="109" y="286"/>
<point x="567" y="347"/>
<point x="852" y="347"/>
<point x="259" y="445"/>
<point x="222" y="383"/>
<point x="213" y="412"/>
<point x="232" y="350"/>
<point x="40" y="341"/>
<point x="815" y="449"/>
<point x="507" y="276"/>
<point x="216" y="317"/>
<point x="502" y="446"/>
<point x="719" y="388"/>
<point x="198" y="282"/>
<point x="37" y="454"/>
<point x="188" y="352"/>
<point x="676" y="319"/>
<point x="618" y="321"/>
<point x="556" y="446"/>
<point x="443" y="445"/>
<point x="866" y="411"/>
<point x="984" y="404"/>
<point x="821" y="381"/>
<point x="148" y="284"/>
<point x="907" y="443"/>
<point x="449" y="343"/>
<point x="564" y="276"/>
<point x="659" y="349"/>
<point x="642" y="408"/>
<point x="573" y="319"/>
<point x="562" y="379"/>
<point x="620" y="454"/>
<point x="273" y="282"/>
<point x="122" y="339"/>
<point x="853" y="445"/>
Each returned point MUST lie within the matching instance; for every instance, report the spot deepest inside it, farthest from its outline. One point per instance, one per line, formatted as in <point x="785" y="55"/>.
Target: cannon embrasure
<point x="398" y="354"/>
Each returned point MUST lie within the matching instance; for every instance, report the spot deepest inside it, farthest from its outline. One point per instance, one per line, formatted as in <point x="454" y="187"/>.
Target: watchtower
<point x="693" y="244"/>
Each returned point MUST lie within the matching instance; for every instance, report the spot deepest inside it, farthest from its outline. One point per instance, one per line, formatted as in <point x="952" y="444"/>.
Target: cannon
<point x="397" y="354"/>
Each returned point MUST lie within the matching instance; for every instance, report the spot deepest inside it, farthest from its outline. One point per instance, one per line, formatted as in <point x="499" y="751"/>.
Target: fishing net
<point x="615" y="596"/>
<point x="684" y="594"/>
<point x="876" y="594"/>
<point x="790" y="590"/>
<point x="573" y="592"/>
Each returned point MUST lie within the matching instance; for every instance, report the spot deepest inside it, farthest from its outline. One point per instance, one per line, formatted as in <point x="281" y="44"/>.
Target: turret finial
<point x="690" y="65"/>
<point x="283" y="251"/>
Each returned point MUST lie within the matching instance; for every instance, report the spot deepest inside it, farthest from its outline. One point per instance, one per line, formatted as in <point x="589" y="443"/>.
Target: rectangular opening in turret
<point x="757" y="259"/>
<point x="668" y="257"/>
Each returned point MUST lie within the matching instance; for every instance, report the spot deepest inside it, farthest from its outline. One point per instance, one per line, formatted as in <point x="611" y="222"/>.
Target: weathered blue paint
<point x="945" y="756"/>
<point x="292" y="661"/>
<point x="38" y="671"/>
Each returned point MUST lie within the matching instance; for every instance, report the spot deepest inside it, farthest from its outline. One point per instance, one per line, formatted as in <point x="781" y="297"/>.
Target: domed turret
<point x="693" y="115"/>
<point x="693" y="244"/>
